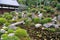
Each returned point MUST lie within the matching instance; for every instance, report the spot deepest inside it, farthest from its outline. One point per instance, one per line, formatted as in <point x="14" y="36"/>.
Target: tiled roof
<point x="9" y="2"/>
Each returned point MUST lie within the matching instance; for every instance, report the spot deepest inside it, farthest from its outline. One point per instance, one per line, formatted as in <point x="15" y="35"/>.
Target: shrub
<point x="46" y="20"/>
<point x="27" y="22"/>
<point x="36" y="20"/>
<point x="52" y="11"/>
<point x="7" y="24"/>
<point x="13" y="13"/>
<point x="49" y="9"/>
<point x="58" y="6"/>
<point x="8" y="16"/>
<point x="43" y="11"/>
<point x="33" y="10"/>
<point x="6" y="37"/>
<point x="2" y="21"/>
<point x="29" y="14"/>
<point x="53" y="3"/>
<point x="10" y="31"/>
<point x="50" y="29"/>
<point x="21" y="33"/>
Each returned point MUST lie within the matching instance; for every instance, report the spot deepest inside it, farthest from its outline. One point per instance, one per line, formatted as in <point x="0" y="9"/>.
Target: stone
<point x="4" y="27"/>
<point x="38" y="25"/>
<point x="12" y="27"/>
<point x="40" y="15"/>
<point x="47" y="25"/>
<point x="2" y="31"/>
<point x="56" y="26"/>
<point x="11" y="34"/>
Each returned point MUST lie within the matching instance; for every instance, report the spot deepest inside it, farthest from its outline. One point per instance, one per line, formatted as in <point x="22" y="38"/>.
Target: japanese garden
<point x="29" y="19"/>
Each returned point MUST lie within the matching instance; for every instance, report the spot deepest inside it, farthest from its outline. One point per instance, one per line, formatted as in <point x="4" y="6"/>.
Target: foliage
<point x="58" y="0"/>
<point x="36" y="20"/>
<point x="49" y="9"/>
<point x="7" y="24"/>
<point x="51" y="29"/>
<point x="43" y="11"/>
<point x="58" y="6"/>
<point x="33" y="10"/>
<point x="10" y="31"/>
<point x="7" y="16"/>
<point x="21" y="33"/>
<point x="46" y="20"/>
<point x="2" y="21"/>
<point x="13" y="13"/>
<point x="27" y="22"/>
<point x="53" y="3"/>
<point x="6" y="37"/>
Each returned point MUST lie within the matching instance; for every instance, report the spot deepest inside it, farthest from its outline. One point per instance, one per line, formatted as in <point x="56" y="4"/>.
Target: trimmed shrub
<point x="2" y="21"/>
<point x="21" y="33"/>
<point x="27" y="22"/>
<point x="36" y="20"/>
<point x="10" y="31"/>
<point x="49" y="9"/>
<point x="7" y="24"/>
<point x="6" y="37"/>
<point x="46" y="20"/>
<point x="7" y="16"/>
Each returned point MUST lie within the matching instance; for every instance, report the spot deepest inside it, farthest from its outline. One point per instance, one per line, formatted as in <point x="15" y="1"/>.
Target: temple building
<point x="8" y="5"/>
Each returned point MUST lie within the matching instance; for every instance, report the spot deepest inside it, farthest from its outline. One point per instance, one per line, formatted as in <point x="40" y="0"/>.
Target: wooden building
<point x="8" y="5"/>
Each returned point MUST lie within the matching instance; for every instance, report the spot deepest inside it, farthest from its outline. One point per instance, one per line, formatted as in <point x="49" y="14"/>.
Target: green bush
<point x="7" y="24"/>
<point x="58" y="6"/>
<point x="13" y="13"/>
<point x="6" y="37"/>
<point x="10" y="31"/>
<point x="8" y="16"/>
<point x="27" y="22"/>
<point x="52" y="11"/>
<point x="2" y="21"/>
<point x="50" y="29"/>
<point x="43" y="11"/>
<point x="21" y="33"/>
<point x="36" y="20"/>
<point x="46" y="20"/>
<point x="49" y="9"/>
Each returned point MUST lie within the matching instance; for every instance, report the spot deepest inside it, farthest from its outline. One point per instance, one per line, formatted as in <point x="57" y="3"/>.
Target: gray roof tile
<point x="9" y="2"/>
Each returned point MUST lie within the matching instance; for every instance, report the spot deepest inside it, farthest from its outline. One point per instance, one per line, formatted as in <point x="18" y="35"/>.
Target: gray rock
<point x="38" y="25"/>
<point x="2" y="31"/>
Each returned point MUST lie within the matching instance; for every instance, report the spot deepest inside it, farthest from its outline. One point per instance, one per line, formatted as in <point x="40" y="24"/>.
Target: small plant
<point x="10" y="31"/>
<point x="7" y="16"/>
<point x="27" y="22"/>
<point x="7" y="24"/>
<point x="21" y="33"/>
<point x="43" y="11"/>
<point x="6" y="37"/>
<point x="36" y="20"/>
<point x="50" y="29"/>
<point x="46" y="20"/>
<point x="49" y="9"/>
<point x="2" y="21"/>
